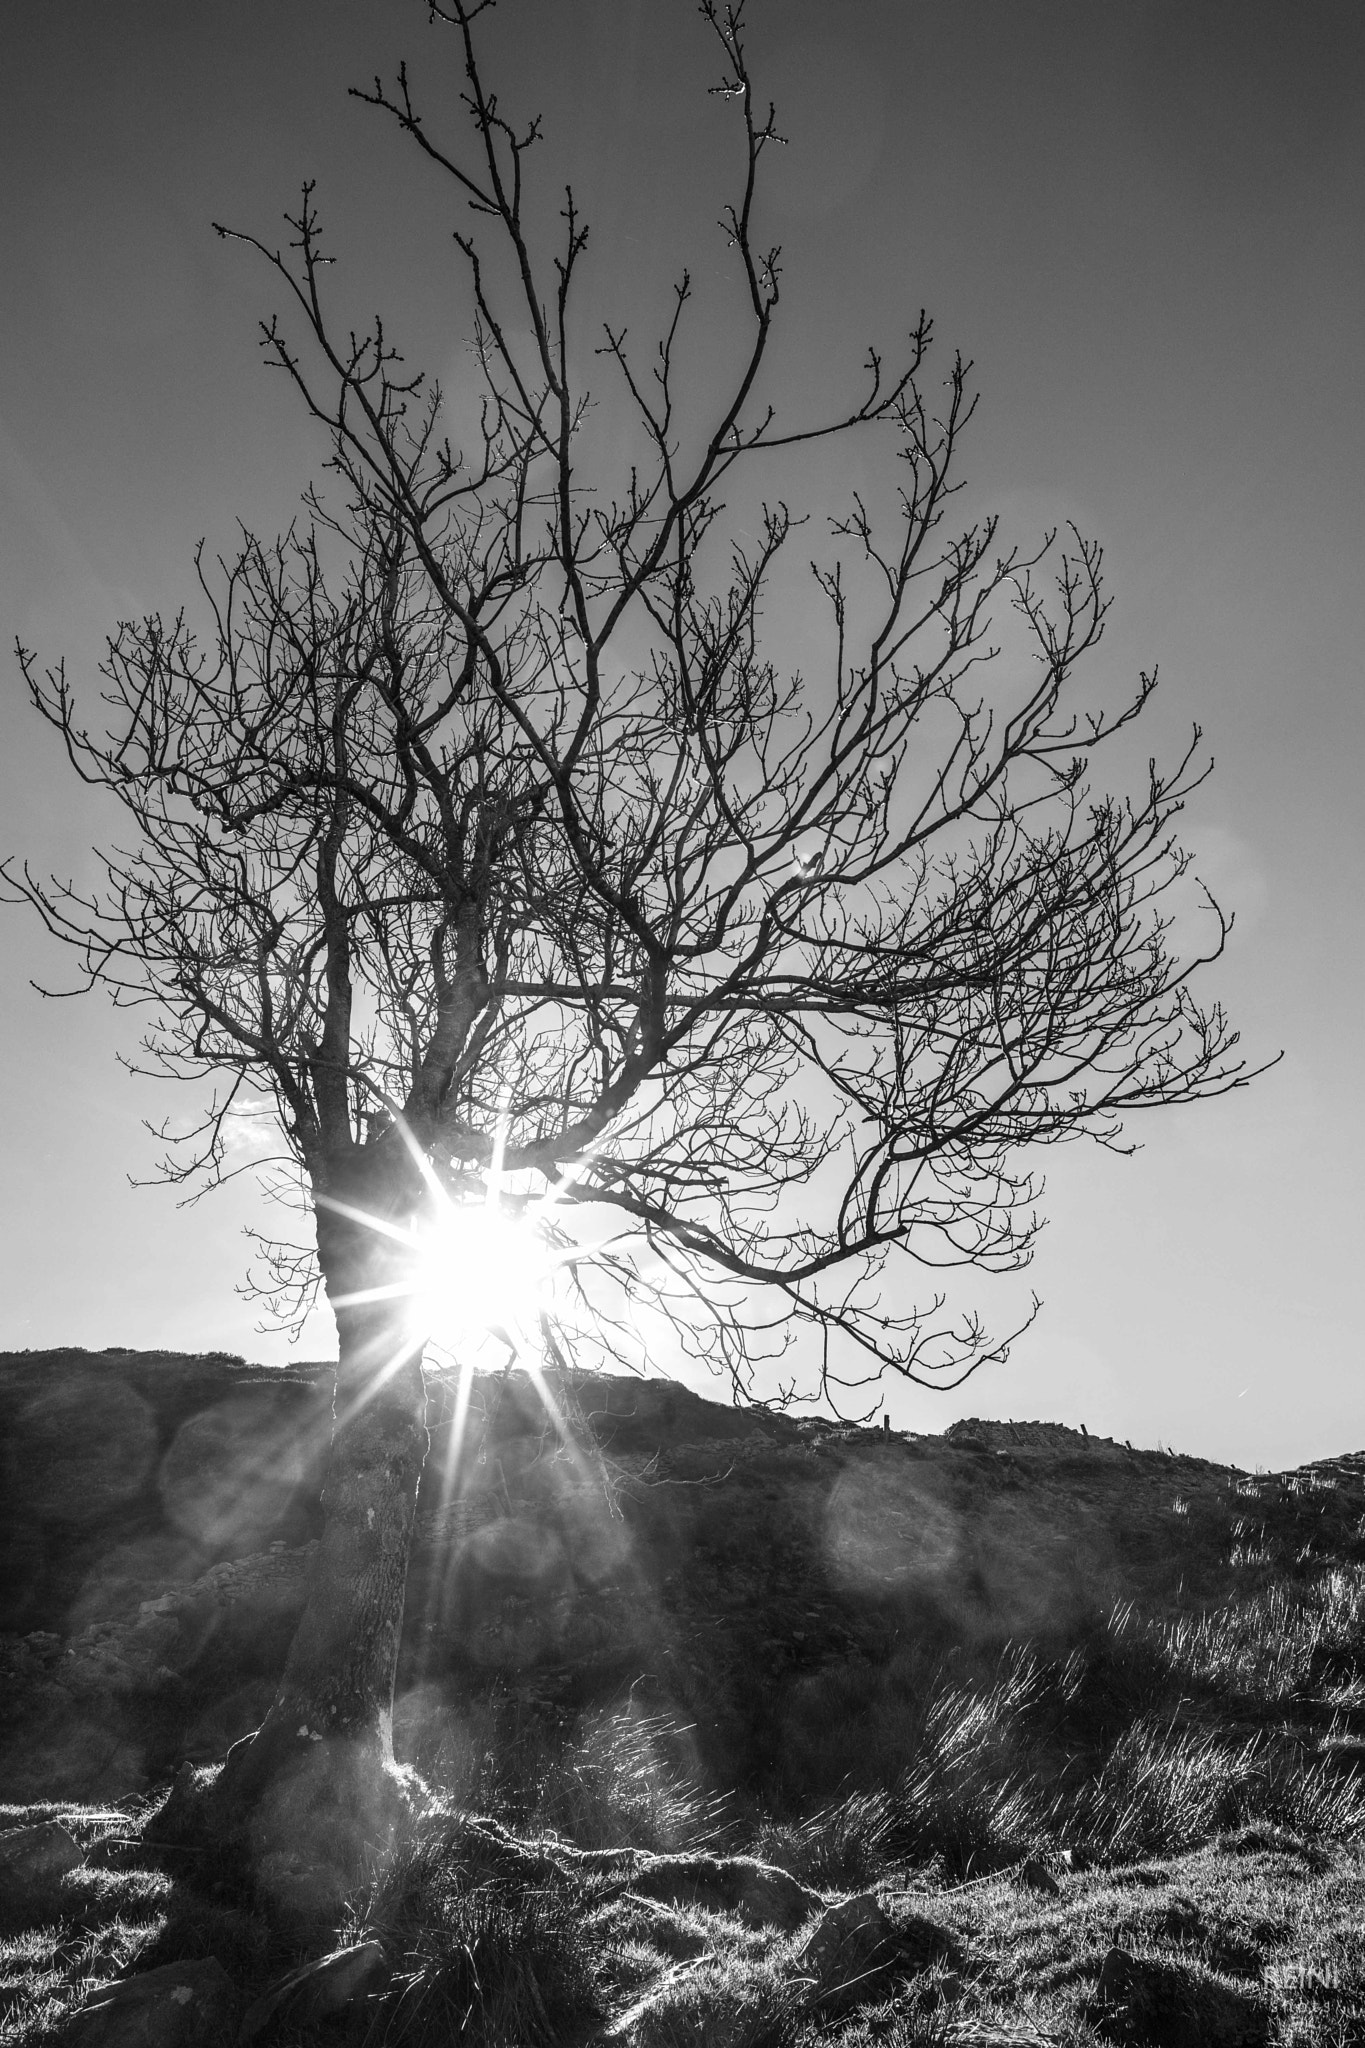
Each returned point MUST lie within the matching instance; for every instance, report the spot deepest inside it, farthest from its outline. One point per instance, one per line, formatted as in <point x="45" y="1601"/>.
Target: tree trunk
<point x="338" y="1680"/>
<point x="315" y="1795"/>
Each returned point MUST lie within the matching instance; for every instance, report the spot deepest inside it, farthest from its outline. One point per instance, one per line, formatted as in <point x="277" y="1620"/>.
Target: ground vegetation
<point x="903" y="1814"/>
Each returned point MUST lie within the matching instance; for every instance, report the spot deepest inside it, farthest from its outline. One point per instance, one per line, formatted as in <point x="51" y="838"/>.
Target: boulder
<point x="855" y="1944"/>
<point x="318" y="1991"/>
<point x="181" y="2005"/>
<point x="1141" y="2002"/>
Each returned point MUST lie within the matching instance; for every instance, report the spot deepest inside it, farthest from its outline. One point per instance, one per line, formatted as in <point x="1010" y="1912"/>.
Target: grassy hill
<point x="1068" y="1733"/>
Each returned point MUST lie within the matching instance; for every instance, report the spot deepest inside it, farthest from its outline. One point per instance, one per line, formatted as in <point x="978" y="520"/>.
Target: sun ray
<point x="455" y="1443"/>
<point x="380" y="1224"/>
<point x="375" y="1380"/>
<point x="392" y="1290"/>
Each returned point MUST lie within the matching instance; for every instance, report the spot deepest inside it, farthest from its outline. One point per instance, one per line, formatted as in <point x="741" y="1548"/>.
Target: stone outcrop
<point x="236" y="1599"/>
<point x="978" y="1434"/>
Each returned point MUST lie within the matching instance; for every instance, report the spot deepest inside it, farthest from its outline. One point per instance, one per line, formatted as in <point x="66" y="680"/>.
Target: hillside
<point x="652" y="1624"/>
<point x="734" y="1568"/>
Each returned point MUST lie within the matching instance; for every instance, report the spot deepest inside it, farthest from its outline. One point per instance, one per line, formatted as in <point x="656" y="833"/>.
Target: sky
<point x="1142" y="223"/>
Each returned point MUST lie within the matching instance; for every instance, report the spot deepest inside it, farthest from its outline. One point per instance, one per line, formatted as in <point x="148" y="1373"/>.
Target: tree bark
<point x="339" y="1677"/>
<point x="315" y="1794"/>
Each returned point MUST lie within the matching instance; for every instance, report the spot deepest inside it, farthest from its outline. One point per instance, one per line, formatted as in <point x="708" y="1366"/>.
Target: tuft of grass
<point x="1162" y="1790"/>
<point x="839" y="1847"/>
<point x="621" y="1776"/>
<point x="1114" y="1675"/>
<point x="1312" y="1799"/>
<point x="480" y="1955"/>
<point x="971" y="1799"/>
<point x="893" y="2024"/>
<point x="623" y="1782"/>
<point x="1276" y="1645"/>
<point x="1166" y="1789"/>
<point x="47" y="1971"/>
<point x="1099" y="1750"/>
<point x="734" y="2000"/>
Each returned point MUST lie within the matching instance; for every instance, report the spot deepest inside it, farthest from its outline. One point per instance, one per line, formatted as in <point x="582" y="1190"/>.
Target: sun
<point x="478" y="1269"/>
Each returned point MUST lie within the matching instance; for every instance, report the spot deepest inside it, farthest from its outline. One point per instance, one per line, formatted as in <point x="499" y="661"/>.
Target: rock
<point x="318" y="1990"/>
<point x="36" y="1859"/>
<point x="182" y="2005"/>
<point x="845" y="1936"/>
<point x="238" y="1605"/>
<point x="1142" y="2003"/>
<point x="759" y="1893"/>
<point x="855" y="1943"/>
<point x="1039" y="1878"/>
<point x="127" y="1572"/>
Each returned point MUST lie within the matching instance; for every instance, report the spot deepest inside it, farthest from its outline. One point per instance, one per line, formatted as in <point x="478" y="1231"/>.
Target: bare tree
<point x="484" y="834"/>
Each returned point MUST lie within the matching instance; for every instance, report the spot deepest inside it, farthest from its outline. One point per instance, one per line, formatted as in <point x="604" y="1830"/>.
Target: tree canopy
<point x="483" y="825"/>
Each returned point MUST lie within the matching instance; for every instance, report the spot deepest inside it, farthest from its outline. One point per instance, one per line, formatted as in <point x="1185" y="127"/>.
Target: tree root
<point x="300" y="1830"/>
